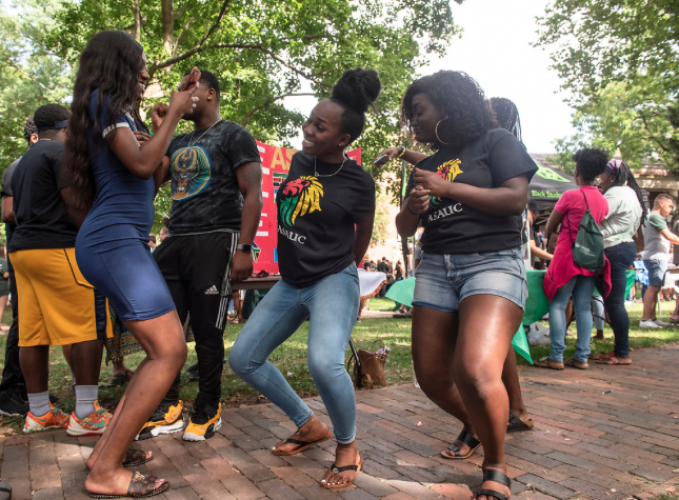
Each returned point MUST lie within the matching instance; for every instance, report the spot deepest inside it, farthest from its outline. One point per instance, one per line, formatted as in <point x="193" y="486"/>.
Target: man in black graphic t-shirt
<point x="216" y="183"/>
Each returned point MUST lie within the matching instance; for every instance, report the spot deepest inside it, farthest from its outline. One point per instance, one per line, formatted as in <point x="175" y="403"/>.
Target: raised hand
<point x="158" y="114"/>
<point x="390" y="154"/>
<point x="432" y="182"/>
<point x="183" y="102"/>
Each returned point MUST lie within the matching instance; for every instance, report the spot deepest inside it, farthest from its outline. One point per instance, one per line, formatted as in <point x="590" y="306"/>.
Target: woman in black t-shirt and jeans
<point x="324" y="197"/>
<point x="471" y="287"/>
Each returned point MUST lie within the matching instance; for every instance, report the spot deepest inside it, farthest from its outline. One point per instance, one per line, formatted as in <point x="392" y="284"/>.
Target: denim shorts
<point x="443" y="281"/>
<point x="656" y="272"/>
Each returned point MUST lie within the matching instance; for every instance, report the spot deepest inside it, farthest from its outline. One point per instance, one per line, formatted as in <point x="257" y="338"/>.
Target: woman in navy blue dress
<point x="108" y="187"/>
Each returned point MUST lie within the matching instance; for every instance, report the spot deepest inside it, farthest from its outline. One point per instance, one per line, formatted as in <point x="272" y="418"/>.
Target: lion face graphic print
<point x="191" y="172"/>
<point x="487" y="162"/>
<point x="317" y="216"/>
<point x="447" y="171"/>
<point x="298" y="198"/>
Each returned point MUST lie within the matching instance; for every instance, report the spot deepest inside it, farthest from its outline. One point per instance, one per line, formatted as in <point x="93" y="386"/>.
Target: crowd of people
<point x="79" y="209"/>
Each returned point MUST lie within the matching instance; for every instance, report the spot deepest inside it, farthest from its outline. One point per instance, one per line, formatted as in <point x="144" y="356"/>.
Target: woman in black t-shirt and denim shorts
<point x="471" y="285"/>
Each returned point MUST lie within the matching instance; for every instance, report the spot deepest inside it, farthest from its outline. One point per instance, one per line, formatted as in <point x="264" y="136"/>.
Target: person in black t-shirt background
<point x="326" y="210"/>
<point x="471" y="287"/>
<point x="13" y="387"/>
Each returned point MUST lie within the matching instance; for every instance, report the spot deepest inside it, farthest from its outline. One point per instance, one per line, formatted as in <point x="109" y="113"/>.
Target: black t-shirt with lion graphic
<point x="316" y="218"/>
<point x="486" y="162"/>
<point x="205" y="193"/>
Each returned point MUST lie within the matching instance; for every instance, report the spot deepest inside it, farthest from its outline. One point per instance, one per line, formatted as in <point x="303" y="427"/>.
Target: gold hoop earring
<point x="436" y="131"/>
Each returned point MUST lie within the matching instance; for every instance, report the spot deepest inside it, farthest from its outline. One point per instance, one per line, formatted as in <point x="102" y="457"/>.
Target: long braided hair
<point x="507" y="115"/>
<point x="624" y="177"/>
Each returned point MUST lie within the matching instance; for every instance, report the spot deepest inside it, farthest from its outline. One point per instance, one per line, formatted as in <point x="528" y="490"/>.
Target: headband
<point x="613" y="166"/>
<point x="57" y="125"/>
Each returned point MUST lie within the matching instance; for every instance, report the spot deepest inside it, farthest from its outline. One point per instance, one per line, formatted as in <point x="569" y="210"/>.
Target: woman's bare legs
<point x="487" y="324"/>
<point x="434" y="337"/>
<point x="510" y="379"/>
<point x="104" y="438"/>
<point x="459" y="362"/>
<point x="163" y="340"/>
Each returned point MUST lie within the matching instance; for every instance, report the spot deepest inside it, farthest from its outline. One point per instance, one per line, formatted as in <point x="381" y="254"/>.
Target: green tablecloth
<point x="537" y="304"/>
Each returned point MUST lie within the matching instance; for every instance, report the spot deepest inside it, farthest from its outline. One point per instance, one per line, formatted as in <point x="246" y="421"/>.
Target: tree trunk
<point x="168" y="25"/>
<point x="136" y="33"/>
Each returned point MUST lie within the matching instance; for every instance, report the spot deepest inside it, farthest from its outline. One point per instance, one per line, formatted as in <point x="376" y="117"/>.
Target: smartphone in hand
<point x="381" y="160"/>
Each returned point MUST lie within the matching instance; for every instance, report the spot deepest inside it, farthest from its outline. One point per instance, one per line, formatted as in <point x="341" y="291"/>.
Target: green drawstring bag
<point x="588" y="248"/>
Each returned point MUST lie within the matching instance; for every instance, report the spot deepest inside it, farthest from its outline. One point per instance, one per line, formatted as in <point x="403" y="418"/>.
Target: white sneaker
<point x="662" y="323"/>
<point x="649" y="323"/>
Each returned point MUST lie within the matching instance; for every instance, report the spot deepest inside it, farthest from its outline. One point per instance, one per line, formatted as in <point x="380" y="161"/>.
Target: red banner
<point x="275" y="167"/>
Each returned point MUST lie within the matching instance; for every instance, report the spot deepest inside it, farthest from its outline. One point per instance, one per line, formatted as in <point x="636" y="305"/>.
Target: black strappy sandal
<point x="517" y="425"/>
<point x="497" y="477"/>
<point x="337" y="470"/>
<point x="465" y="438"/>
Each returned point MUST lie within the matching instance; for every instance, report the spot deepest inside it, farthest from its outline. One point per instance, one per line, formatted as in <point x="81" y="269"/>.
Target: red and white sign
<point x="275" y="167"/>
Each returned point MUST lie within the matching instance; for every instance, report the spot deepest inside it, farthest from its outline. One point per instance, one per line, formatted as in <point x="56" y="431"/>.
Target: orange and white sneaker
<point x="93" y="424"/>
<point x="53" y="419"/>
<point x="103" y="411"/>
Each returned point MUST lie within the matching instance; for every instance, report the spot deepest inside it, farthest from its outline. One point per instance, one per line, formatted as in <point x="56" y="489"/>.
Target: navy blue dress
<point x="112" y="246"/>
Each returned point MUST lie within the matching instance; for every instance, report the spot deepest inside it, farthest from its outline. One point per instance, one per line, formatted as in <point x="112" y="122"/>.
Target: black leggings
<point x="12" y="378"/>
<point x="620" y="257"/>
<point x="197" y="270"/>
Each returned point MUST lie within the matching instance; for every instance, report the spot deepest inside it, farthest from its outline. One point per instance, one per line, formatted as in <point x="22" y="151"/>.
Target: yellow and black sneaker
<point x="165" y="420"/>
<point x="205" y="421"/>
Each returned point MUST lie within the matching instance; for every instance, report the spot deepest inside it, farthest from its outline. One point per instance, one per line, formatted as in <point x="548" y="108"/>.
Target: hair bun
<point x="357" y="88"/>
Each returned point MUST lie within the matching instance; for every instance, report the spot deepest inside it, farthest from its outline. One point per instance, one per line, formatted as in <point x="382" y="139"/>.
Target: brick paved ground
<point x="588" y="443"/>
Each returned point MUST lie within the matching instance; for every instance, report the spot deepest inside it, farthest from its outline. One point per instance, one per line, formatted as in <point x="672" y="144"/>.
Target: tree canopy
<point x="31" y="75"/>
<point x="619" y="59"/>
<point x="262" y="51"/>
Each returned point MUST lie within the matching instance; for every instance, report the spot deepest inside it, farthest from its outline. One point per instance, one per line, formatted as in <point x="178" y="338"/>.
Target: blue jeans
<point x="598" y="313"/>
<point x="581" y="287"/>
<point x="332" y="306"/>
<point x="621" y="257"/>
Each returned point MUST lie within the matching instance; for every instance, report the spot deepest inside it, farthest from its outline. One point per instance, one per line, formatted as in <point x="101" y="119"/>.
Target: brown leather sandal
<point x="612" y="360"/>
<point x="135" y="457"/>
<point x="549" y="363"/>
<point x="141" y="486"/>
<point x="574" y="363"/>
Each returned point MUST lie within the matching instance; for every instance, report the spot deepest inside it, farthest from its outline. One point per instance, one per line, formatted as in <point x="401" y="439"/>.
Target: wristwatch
<point x="244" y="248"/>
<point x="400" y="153"/>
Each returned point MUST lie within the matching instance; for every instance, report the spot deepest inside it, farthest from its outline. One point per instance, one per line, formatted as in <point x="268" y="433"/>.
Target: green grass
<point x="291" y="357"/>
<point x="377" y="304"/>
